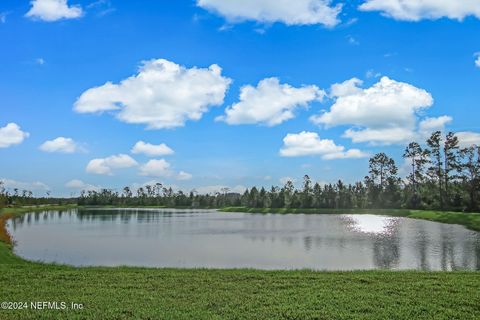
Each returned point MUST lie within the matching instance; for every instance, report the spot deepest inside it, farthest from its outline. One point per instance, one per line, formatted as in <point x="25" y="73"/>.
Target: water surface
<point x="211" y="239"/>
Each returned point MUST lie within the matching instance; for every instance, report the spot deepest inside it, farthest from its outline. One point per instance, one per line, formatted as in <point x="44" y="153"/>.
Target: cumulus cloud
<point x="467" y="139"/>
<point x="385" y="113"/>
<point x="80" y="185"/>
<point x="152" y="149"/>
<point x="53" y="10"/>
<point x="346" y="88"/>
<point x="396" y="102"/>
<point x="299" y="12"/>
<point x="156" y="168"/>
<point x="399" y="135"/>
<point x="416" y="10"/>
<point x="161" y="168"/>
<point x="309" y="143"/>
<point x="183" y="176"/>
<point x="22" y="185"/>
<point x="60" y="144"/>
<point x="429" y="125"/>
<point x="477" y="59"/>
<point x="11" y="135"/>
<point x="162" y="95"/>
<point x="270" y="103"/>
<point x="105" y="166"/>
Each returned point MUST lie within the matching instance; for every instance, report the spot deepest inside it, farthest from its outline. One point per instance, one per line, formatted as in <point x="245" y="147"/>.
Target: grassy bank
<point x="25" y="209"/>
<point x="138" y="293"/>
<point x="141" y="293"/>
<point x="469" y="220"/>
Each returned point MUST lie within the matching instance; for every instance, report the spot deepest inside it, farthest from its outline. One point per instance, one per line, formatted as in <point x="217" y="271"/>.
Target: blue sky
<point x="302" y="87"/>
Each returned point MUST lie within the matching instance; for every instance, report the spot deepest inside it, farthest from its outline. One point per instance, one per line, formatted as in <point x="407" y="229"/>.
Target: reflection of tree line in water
<point x="100" y="215"/>
<point x="386" y="246"/>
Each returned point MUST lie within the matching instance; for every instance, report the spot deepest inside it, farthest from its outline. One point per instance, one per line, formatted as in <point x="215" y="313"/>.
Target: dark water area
<point x="212" y="239"/>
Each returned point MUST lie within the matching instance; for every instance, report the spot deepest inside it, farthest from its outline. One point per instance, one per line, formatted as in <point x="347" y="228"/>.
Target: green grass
<point x="469" y="220"/>
<point x="142" y="293"/>
<point x="138" y="293"/>
<point x="24" y="209"/>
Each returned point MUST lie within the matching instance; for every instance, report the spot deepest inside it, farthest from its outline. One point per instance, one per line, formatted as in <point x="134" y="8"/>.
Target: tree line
<point x="443" y="176"/>
<point x="23" y="197"/>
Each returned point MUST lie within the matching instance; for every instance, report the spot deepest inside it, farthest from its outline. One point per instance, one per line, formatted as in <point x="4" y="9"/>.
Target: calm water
<point x="206" y="238"/>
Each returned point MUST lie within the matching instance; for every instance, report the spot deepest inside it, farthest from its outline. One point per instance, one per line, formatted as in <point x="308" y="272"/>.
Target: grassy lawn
<point x="141" y="293"/>
<point x="469" y="220"/>
<point x="137" y="293"/>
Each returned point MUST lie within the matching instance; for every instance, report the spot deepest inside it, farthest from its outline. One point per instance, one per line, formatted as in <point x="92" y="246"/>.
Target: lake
<point x="212" y="239"/>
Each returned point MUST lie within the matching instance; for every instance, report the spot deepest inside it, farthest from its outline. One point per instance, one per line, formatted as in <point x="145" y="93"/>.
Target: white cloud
<point x="385" y="113"/>
<point x="156" y="168"/>
<point x="60" y="144"/>
<point x="386" y="102"/>
<point x="152" y="149"/>
<point x="346" y="88"/>
<point x="40" y="61"/>
<point x="348" y="154"/>
<point x="270" y="103"/>
<point x="298" y="12"/>
<point x="399" y="135"/>
<point x="395" y="135"/>
<point x="53" y="10"/>
<point x="105" y="166"/>
<point x="416" y="10"/>
<point x="11" y="135"/>
<point x="467" y="139"/>
<point x="162" y="95"/>
<point x="309" y="143"/>
<point x="429" y="125"/>
<point x="183" y="176"/>
<point x="80" y="185"/>
<point x="21" y="185"/>
<point x="477" y="59"/>
<point x="160" y="168"/>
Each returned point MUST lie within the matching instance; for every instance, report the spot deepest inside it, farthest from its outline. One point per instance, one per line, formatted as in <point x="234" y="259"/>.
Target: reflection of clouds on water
<point x="368" y="223"/>
<point x="383" y="233"/>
